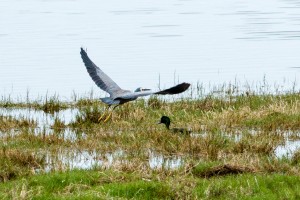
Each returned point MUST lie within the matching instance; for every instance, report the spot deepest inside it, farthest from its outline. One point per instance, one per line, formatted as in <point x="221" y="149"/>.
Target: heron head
<point x="140" y="89"/>
<point x="165" y="120"/>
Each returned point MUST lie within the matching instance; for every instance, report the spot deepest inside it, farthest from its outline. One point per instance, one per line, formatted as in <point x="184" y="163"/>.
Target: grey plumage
<point x="118" y="95"/>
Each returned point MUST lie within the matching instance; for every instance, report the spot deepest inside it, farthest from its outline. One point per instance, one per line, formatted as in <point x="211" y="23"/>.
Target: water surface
<point x="136" y="42"/>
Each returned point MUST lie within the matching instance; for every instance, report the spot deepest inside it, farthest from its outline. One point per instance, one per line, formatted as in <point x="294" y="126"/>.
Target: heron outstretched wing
<point x="99" y="77"/>
<point x="173" y="90"/>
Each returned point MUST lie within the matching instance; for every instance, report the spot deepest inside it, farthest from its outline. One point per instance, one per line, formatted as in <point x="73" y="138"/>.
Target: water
<point x="44" y="122"/>
<point x="288" y="149"/>
<point x="43" y="119"/>
<point x="83" y="159"/>
<point x="136" y="42"/>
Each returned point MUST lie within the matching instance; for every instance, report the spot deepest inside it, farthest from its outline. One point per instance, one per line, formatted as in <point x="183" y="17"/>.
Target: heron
<point x="118" y="96"/>
<point x="166" y="120"/>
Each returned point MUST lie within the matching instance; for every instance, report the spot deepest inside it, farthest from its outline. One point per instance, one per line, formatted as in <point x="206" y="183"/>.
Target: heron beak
<point x="159" y="122"/>
<point x="145" y="89"/>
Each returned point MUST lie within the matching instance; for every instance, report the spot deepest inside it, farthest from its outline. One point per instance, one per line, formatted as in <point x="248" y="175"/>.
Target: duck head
<point x="165" y="120"/>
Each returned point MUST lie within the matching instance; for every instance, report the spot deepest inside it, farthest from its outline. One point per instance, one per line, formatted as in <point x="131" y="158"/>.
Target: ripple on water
<point x="69" y="134"/>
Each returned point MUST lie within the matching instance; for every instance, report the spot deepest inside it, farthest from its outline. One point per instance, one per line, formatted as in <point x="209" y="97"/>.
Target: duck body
<point x="166" y="120"/>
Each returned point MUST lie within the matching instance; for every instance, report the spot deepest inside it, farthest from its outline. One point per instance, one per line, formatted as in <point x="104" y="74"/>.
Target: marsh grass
<point x="15" y="163"/>
<point x="222" y="170"/>
<point x="9" y="122"/>
<point x="296" y="157"/>
<point x="259" y="143"/>
<point x="58" y="124"/>
<point x="88" y="115"/>
<point x="50" y="104"/>
<point x="80" y="103"/>
<point x="229" y="153"/>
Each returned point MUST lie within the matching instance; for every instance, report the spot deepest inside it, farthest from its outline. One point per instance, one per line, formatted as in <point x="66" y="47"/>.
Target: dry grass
<point x="16" y="163"/>
<point x="9" y="122"/>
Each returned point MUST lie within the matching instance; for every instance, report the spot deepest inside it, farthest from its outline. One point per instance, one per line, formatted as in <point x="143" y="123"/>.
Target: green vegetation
<point x="230" y="153"/>
<point x="109" y="184"/>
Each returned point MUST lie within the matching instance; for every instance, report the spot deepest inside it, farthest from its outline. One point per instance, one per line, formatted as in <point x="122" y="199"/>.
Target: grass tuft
<point x="88" y="116"/>
<point x="16" y="163"/>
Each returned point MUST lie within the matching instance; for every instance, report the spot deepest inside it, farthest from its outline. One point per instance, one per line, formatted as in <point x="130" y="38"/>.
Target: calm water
<point x="135" y="42"/>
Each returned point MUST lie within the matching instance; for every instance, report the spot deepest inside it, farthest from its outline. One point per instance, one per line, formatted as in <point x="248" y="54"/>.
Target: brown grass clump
<point x="8" y="122"/>
<point x="155" y="103"/>
<point x="296" y="158"/>
<point x="223" y="170"/>
<point x="58" y="124"/>
<point x="52" y="104"/>
<point x="15" y="163"/>
<point x="263" y="146"/>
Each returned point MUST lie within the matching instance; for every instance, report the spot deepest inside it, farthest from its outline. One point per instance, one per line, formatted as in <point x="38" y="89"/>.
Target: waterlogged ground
<point x="246" y="142"/>
<point x="70" y="158"/>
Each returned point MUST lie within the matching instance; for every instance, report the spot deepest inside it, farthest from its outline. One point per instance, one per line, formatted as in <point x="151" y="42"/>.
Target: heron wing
<point x="99" y="77"/>
<point x="134" y="95"/>
<point x="173" y="90"/>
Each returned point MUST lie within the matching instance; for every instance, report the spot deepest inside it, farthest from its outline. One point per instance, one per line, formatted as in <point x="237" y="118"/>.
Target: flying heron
<point x="119" y="96"/>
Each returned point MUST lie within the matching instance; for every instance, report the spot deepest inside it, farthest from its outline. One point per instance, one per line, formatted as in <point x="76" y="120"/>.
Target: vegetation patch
<point x="88" y="116"/>
<point x="16" y="163"/>
<point x="276" y="120"/>
<point x="223" y="170"/>
<point x="115" y="184"/>
<point x="9" y="122"/>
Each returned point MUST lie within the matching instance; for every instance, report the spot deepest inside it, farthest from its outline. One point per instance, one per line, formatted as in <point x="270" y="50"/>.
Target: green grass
<point x="114" y="184"/>
<point x="275" y="186"/>
<point x="276" y="120"/>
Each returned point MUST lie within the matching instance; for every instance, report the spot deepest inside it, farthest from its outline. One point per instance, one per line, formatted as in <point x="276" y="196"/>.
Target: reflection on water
<point x="81" y="159"/>
<point x="43" y="119"/>
<point x="287" y="149"/>
<point x="207" y="41"/>
<point x="44" y="122"/>
<point x="159" y="161"/>
<point x="66" y="134"/>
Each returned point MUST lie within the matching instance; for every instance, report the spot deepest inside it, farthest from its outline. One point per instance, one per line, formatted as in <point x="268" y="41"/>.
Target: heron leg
<point x="110" y="114"/>
<point x="100" y="118"/>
